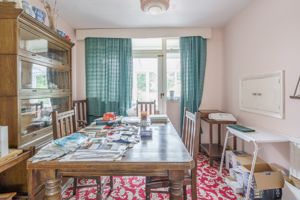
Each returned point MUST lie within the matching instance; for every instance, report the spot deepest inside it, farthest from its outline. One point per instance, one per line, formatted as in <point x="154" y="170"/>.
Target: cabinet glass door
<point x="35" y="76"/>
<point x="39" y="46"/>
<point x="36" y="113"/>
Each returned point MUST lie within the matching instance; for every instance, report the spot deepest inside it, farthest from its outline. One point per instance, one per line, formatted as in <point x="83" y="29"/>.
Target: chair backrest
<point x="64" y="123"/>
<point x="81" y="110"/>
<point x="191" y="132"/>
<point x="146" y="106"/>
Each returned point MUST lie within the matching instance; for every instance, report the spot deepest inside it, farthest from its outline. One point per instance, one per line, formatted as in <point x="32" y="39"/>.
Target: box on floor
<point x="238" y="158"/>
<point x="267" y="182"/>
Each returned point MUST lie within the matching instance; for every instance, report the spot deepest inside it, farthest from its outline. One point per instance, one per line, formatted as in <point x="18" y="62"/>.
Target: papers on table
<point x="131" y="120"/>
<point x="92" y="144"/>
<point x="98" y="152"/>
<point x="94" y="155"/>
<point x="60" y="147"/>
<point x="159" y="118"/>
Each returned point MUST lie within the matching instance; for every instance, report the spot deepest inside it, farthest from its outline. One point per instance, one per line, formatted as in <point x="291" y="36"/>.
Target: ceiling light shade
<point x="155" y="7"/>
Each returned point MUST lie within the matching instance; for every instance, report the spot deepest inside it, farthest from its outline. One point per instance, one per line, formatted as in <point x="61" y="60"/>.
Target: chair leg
<point x="99" y="188"/>
<point x="194" y="185"/>
<point x="111" y="182"/>
<point x="148" y="192"/>
<point x="75" y="185"/>
<point x="184" y="193"/>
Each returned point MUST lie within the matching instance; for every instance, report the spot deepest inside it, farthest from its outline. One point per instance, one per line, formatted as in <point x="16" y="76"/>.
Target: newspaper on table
<point x="60" y="147"/>
<point x="98" y="152"/>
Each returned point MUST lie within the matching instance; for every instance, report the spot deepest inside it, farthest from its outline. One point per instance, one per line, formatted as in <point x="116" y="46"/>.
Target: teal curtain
<point x="108" y="75"/>
<point x="193" y="62"/>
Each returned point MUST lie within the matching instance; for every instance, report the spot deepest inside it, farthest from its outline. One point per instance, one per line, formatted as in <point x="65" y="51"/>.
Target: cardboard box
<point x="266" y="183"/>
<point x="295" y="182"/>
<point x="235" y="185"/>
<point x="238" y="158"/>
<point x="290" y="191"/>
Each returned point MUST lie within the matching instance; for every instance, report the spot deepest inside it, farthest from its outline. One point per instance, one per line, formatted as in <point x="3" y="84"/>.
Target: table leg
<point x="210" y="144"/>
<point x="53" y="186"/>
<point x="252" y="170"/>
<point x="176" y="184"/>
<point x="30" y="182"/>
<point x="219" y="134"/>
<point x="223" y="153"/>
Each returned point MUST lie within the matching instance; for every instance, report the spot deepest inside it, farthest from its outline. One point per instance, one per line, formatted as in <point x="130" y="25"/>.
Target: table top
<point x="163" y="151"/>
<point x="259" y="136"/>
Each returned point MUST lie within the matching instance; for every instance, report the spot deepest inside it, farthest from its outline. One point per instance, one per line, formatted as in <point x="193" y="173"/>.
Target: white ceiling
<point x="82" y="14"/>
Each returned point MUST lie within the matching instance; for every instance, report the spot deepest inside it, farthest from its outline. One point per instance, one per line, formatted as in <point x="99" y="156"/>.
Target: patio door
<point x="148" y="79"/>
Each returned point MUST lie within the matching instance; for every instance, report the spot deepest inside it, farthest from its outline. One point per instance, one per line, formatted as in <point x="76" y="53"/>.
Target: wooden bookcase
<point x="35" y="77"/>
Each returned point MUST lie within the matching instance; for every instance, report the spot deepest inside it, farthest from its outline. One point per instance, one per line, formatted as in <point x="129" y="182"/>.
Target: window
<point x="156" y="70"/>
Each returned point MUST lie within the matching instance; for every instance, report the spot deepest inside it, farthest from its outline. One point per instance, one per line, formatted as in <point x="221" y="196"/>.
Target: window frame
<point x="162" y="69"/>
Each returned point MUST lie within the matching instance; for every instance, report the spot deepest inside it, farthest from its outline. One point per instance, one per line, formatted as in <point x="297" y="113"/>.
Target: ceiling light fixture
<point x="155" y="7"/>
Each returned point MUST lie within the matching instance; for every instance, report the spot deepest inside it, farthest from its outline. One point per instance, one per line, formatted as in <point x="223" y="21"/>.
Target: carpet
<point x="210" y="186"/>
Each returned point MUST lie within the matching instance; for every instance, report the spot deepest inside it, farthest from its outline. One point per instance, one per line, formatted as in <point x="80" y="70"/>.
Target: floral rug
<point x="210" y="186"/>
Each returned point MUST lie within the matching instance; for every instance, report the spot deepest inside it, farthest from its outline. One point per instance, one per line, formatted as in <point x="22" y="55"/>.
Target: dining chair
<point x="146" y="106"/>
<point x="81" y="112"/>
<point x="190" y="137"/>
<point x="64" y="124"/>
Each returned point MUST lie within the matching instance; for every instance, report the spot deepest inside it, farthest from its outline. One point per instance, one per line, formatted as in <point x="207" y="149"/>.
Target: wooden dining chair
<point x="146" y="106"/>
<point x="81" y="112"/>
<point x="191" y="138"/>
<point x="64" y="124"/>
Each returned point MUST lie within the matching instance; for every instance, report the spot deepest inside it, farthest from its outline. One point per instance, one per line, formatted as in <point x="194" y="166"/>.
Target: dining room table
<point x="161" y="154"/>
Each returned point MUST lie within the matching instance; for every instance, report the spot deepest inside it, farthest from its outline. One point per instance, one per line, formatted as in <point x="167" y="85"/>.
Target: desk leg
<point x="223" y="153"/>
<point x="210" y="144"/>
<point x="252" y="170"/>
<point x="53" y="186"/>
<point x="176" y="184"/>
<point x="219" y="134"/>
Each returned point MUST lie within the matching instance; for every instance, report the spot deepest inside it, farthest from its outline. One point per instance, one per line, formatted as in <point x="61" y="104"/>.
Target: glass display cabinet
<point x="35" y="68"/>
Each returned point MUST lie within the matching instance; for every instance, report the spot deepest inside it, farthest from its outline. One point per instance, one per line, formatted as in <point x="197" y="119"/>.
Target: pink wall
<point x="265" y="37"/>
<point x="63" y="26"/>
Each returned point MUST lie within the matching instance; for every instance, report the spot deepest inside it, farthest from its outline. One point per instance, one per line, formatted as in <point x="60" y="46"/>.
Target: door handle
<point x="162" y="95"/>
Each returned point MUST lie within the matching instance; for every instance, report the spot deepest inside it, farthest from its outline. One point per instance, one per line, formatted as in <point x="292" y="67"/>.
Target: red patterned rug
<point x="210" y="186"/>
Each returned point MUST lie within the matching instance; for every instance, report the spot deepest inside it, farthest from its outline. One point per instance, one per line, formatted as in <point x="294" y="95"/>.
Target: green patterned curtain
<point x="108" y="75"/>
<point x="193" y="62"/>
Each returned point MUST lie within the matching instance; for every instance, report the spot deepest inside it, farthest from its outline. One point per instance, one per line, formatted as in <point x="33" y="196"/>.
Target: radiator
<point x="295" y="160"/>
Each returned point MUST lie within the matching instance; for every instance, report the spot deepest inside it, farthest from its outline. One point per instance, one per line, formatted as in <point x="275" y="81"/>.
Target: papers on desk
<point x="222" y="117"/>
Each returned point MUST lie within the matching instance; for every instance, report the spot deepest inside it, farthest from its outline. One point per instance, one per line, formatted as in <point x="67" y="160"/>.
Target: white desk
<point x="257" y="137"/>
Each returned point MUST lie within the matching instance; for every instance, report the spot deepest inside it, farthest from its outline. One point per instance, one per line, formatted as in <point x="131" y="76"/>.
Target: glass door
<point x="148" y="80"/>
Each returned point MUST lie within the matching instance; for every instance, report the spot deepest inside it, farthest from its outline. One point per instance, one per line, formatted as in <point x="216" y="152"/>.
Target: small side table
<point x="214" y="151"/>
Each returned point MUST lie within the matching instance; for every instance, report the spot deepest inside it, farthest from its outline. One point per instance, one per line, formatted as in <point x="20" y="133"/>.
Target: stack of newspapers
<point x="60" y="147"/>
<point x="159" y="118"/>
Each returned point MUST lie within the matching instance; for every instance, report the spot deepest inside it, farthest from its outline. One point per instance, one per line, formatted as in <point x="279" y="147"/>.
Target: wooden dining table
<point x="163" y="154"/>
